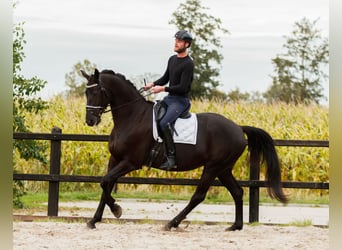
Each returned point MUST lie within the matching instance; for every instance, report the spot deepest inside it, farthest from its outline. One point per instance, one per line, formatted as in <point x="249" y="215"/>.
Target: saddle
<point x="187" y="129"/>
<point x="160" y="109"/>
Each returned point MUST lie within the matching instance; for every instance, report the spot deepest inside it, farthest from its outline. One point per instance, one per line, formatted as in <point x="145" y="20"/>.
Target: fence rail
<point x="54" y="177"/>
<point x="104" y="138"/>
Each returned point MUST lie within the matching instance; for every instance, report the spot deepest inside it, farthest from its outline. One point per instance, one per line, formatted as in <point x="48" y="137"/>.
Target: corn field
<point x="281" y="121"/>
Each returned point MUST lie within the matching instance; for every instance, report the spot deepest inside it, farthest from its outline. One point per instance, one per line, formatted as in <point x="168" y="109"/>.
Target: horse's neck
<point x="127" y="105"/>
<point x="132" y="114"/>
<point x="121" y="100"/>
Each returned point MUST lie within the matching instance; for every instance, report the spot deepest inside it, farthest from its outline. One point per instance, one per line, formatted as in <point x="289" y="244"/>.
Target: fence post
<point x="254" y="191"/>
<point x="55" y="167"/>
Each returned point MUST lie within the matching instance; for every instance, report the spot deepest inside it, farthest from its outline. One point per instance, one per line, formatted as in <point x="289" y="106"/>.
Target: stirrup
<point x="169" y="164"/>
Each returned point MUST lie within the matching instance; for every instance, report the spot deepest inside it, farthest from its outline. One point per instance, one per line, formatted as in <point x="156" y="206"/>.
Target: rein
<point x="141" y="90"/>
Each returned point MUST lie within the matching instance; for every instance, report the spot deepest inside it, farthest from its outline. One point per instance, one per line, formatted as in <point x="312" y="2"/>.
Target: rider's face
<point x="180" y="45"/>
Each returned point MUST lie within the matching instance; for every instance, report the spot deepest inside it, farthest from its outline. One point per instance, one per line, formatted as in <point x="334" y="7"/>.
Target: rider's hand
<point x="158" y="89"/>
<point x="148" y="86"/>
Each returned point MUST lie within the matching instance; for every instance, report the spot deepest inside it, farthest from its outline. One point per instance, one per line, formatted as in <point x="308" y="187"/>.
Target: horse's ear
<point x="85" y="74"/>
<point x="96" y="74"/>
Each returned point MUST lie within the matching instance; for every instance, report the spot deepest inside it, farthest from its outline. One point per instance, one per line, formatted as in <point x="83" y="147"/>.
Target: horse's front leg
<point x="100" y="208"/>
<point x="98" y="214"/>
<point x="108" y="181"/>
<point x="107" y="184"/>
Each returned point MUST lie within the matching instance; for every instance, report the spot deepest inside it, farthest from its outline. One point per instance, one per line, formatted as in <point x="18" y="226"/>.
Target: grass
<point x="301" y="223"/>
<point x="254" y="224"/>
<point x="39" y="200"/>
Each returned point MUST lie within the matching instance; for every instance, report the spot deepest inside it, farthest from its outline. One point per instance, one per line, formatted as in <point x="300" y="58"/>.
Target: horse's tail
<point x="260" y="144"/>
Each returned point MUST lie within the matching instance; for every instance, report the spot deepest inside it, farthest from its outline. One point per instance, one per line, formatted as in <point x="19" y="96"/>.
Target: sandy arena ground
<point x="62" y="235"/>
<point x="147" y="233"/>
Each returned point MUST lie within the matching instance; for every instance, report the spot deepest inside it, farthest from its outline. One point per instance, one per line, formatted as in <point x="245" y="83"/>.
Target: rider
<point x="179" y="73"/>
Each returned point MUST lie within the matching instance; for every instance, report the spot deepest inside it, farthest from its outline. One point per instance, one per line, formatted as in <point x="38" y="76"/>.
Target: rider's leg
<point x="174" y="108"/>
<point x="170" y="149"/>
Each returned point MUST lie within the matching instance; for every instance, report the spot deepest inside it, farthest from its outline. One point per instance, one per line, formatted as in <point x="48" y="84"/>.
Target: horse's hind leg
<point x="236" y="191"/>
<point x="197" y="198"/>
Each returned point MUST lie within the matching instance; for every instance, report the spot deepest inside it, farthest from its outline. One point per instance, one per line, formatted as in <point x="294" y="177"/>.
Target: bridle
<point x="104" y="94"/>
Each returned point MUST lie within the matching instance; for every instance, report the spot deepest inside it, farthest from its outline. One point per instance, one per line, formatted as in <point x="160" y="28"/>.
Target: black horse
<point x="220" y="142"/>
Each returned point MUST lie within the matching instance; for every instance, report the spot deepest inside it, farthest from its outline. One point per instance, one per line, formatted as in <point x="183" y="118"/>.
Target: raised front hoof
<point x="117" y="211"/>
<point x="91" y="225"/>
<point x="234" y="227"/>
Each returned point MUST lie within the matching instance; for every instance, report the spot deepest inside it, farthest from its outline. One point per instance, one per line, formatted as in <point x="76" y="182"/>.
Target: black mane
<point x="111" y="72"/>
<point x="108" y="71"/>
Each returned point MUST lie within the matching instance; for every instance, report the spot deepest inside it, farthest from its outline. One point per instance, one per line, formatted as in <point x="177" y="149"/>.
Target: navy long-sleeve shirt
<point x="180" y="73"/>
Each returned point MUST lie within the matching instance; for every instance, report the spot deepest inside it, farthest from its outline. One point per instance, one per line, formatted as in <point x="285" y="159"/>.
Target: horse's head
<point x="96" y="98"/>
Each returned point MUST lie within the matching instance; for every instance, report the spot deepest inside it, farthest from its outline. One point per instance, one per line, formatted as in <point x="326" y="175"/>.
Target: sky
<point x="134" y="37"/>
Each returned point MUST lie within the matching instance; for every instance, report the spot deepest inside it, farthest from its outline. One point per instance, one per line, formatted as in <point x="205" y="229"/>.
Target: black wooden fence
<point x="54" y="177"/>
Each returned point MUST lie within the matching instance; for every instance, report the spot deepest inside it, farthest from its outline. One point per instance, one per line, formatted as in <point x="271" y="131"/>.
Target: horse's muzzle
<point x="93" y="118"/>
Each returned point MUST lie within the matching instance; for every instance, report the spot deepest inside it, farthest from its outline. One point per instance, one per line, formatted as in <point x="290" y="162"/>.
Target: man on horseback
<point x="179" y="74"/>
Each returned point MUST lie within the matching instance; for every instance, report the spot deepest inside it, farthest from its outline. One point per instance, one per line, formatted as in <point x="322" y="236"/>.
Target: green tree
<point x="218" y="95"/>
<point x="205" y="28"/>
<point x="300" y="71"/>
<point x="24" y="100"/>
<point x="74" y="79"/>
<point x="236" y="95"/>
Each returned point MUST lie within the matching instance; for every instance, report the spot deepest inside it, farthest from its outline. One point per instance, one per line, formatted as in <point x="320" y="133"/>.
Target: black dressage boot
<point x="170" y="150"/>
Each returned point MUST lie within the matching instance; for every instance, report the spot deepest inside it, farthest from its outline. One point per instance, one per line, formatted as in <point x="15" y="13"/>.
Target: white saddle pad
<point x="186" y="130"/>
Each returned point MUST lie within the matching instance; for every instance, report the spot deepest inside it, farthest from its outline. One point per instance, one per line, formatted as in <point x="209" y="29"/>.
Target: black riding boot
<point x="170" y="150"/>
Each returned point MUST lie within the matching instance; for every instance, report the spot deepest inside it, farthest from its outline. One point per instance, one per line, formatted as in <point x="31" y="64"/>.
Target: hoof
<point x="180" y="230"/>
<point x="117" y="211"/>
<point x="91" y="225"/>
<point x="234" y="228"/>
<point x="167" y="227"/>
